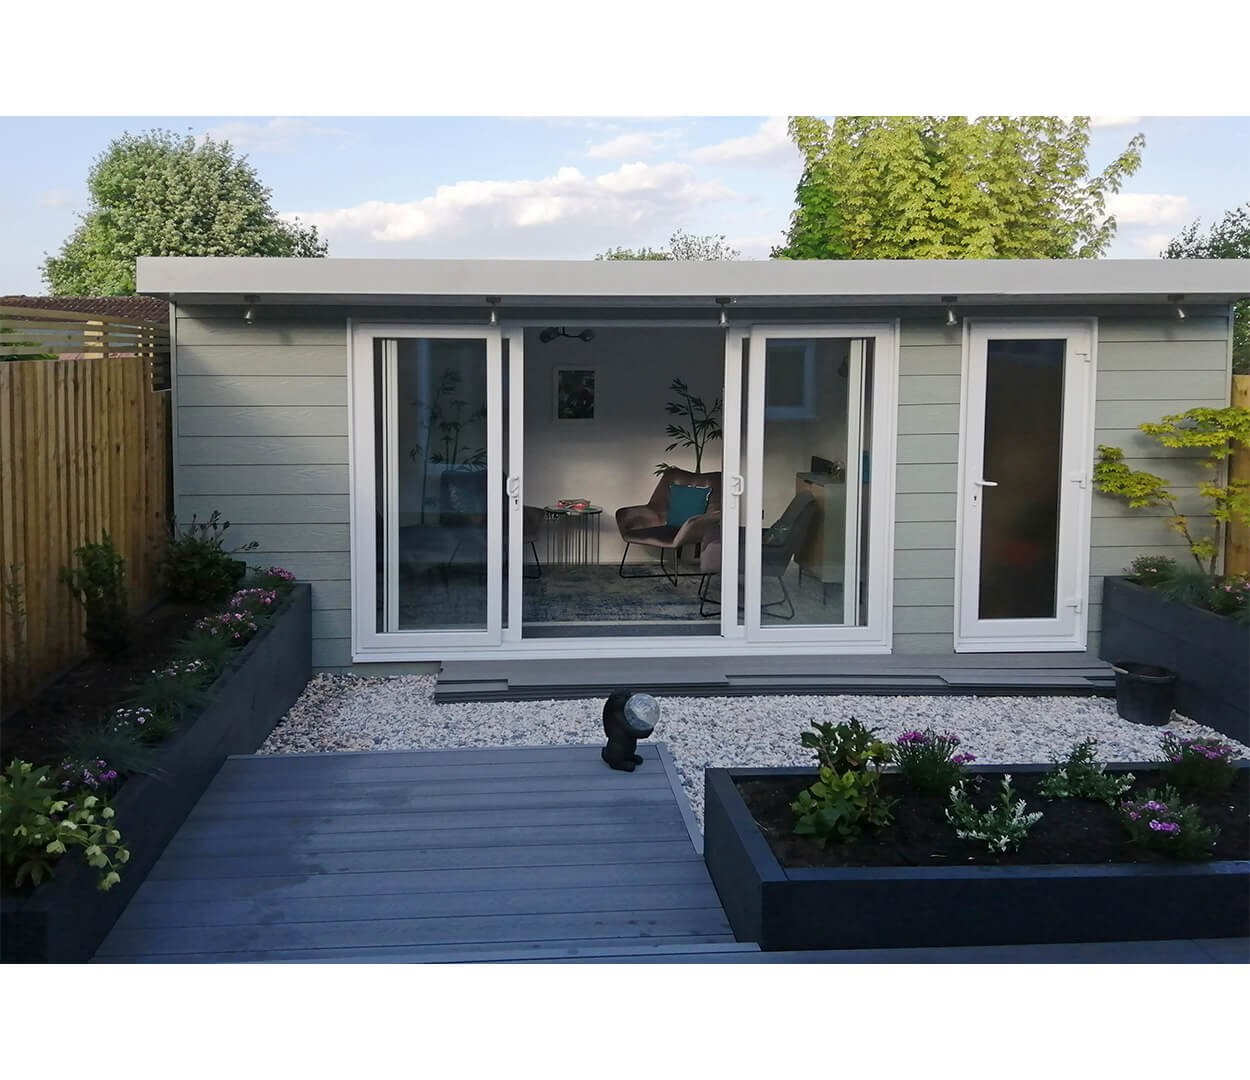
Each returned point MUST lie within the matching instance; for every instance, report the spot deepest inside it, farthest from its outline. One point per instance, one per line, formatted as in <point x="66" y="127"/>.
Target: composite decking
<point x="419" y="856"/>
<point x="956" y="673"/>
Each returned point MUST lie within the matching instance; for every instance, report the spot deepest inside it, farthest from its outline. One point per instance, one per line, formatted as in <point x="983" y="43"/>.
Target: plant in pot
<point x="698" y="425"/>
<point x="1190" y="621"/>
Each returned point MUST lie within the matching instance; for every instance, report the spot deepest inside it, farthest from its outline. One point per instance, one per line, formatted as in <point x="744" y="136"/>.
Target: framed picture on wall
<point x="574" y="390"/>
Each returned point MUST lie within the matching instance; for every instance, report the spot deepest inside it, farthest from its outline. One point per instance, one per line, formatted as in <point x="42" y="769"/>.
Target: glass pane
<point x="1023" y="442"/>
<point x="432" y="507"/>
<point x="815" y="472"/>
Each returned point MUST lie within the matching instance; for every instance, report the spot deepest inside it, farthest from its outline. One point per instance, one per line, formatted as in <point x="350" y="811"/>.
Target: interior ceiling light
<point x="552" y="332"/>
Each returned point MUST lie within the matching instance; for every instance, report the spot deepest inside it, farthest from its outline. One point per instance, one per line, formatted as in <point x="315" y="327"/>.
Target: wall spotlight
<point x="724" y="302"/>
<point x="1176" y="299"/>
<point x="950" y="311"/>
<point x="249" y="316"/>
<point x="494" y="316"/>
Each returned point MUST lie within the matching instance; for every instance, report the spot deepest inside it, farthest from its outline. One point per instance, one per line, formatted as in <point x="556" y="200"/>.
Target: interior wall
<point x="611" y="460"/>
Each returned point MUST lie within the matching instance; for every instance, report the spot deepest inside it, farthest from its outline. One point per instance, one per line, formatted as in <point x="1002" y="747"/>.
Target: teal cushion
<point x="686" y="502"/>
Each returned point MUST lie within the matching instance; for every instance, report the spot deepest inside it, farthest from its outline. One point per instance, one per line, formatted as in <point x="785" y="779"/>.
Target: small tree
<point x="1216" y="430"/>
<point x="681" y="246"/>
<point x="700" y="425"/>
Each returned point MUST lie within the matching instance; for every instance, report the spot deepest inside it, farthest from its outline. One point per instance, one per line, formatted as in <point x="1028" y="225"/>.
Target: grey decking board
<point x="574" y="753"/>
<point x="679" y="793"/>
<point x="657" y="872"/>
<point x="491" y="900"/>
<point x="490" y="929"/>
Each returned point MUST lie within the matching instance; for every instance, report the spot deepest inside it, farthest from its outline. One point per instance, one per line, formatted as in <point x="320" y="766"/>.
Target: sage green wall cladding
<point x="260" y="425"/>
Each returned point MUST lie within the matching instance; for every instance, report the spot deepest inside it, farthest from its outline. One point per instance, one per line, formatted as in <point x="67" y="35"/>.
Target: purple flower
<point x="1133" y="815"/>
<point x="1165" y="826"/>
<point x="913" y="737"/>
<point x="963" y="759"/>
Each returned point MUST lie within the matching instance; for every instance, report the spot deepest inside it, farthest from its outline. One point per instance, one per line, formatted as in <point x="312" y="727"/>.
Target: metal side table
<point x="572" y="535"/>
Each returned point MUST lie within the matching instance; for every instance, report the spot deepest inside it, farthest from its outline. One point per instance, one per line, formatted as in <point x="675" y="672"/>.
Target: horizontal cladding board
<point x="1147" y="531"/>
<point x="307" y="565"/>
<point x="1187" y="499"/>
<point x="915" y="478"/>
<point x="924" y="644"/>
<point x="304" y="537"/>
<point x="1105" y="560"/>
<point x="331" y="623"/>
<point x="332" y="653"/>
<point x="1180" y="385"/>
<point x="328" y="595"/>
<point x="928" y="419"/>
<point x="924" y="620"/>
<point x="929" y="332"/>
<point x="928" y="449"/>
<point x="268" y="509"/>
<point x="1163" y="355"/>
<point x="924" y="592"/>
<point x="218" y="479"/>
<point x="263" y="420"/>
<point x="1138" y="446"/>
<point x="234" y="331"/>
<point x="264" y="450"/>
<point x="924" y="564"/>
<point x="262" y="359"/>
<point x="930" y="360"/>
<point x="912" y="535"/>
<point x="925" y="506"/>
<point x="928" y="389"/>
<point x="1169" y="328"/>
<point x="1128" y="414"/>
<point x="229" y="391"/>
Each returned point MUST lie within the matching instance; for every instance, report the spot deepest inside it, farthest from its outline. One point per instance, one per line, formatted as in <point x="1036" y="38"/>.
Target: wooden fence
<point x="1237" y="544"/>
<point x="84" y="448"/>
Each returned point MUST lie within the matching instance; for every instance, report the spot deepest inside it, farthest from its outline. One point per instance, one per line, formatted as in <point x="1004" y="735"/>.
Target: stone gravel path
<point x="347" y="712"/>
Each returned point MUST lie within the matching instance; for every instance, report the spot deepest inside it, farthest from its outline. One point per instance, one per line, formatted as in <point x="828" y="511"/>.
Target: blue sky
<point x="557" y="188"/>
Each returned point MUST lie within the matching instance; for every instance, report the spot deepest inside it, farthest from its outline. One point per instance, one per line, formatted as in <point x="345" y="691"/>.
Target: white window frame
<point x="1068" y="630"/>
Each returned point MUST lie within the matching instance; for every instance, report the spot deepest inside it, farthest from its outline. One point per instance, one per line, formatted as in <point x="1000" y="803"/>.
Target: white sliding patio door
<point x="1025" y="462"/>
<point x="428" y="487"/>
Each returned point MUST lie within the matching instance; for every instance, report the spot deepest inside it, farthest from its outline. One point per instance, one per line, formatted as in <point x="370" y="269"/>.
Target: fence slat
<point x="1237" y="544"/>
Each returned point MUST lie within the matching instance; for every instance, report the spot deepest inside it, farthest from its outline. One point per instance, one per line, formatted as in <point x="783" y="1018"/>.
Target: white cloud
<point x="1139" y="208"/>
<point x="568" y="214"/>
<point x="56" y="198"/>
<point x="769" y="148"/>
<point x="275" y="135"/>
<point x="1113" y="121"/>
<point x="1153" y="243"/>
<point x="633" y="144"/>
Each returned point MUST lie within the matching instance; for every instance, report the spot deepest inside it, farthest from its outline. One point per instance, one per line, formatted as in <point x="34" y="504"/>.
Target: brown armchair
<point x="648" y="524"/>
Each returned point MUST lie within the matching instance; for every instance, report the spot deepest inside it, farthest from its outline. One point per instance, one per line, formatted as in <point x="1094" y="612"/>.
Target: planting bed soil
<point x="93" y="688"/>
<point x="1071" y="831"/>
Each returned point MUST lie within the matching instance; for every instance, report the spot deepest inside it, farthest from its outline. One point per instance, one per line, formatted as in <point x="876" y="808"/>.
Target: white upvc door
<point x="840" y="403"/>
<point x="426" y="424"/>
<point x="1026" y="452"/>
<point x="733" y="483"/>
<point x="514" y="484"/>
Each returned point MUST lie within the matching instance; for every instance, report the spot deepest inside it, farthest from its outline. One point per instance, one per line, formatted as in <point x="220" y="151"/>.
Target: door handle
<point x="735" y="485"/>
<point x="514" y="490"/>
<point x="986" y="483"/>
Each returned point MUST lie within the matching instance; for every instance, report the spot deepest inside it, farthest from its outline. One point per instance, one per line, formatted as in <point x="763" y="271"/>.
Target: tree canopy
<point x="681" y="245"/>
<point x="1228" y="238"/>
<point x="947" y="187"/>
<point x="159" y="193"/>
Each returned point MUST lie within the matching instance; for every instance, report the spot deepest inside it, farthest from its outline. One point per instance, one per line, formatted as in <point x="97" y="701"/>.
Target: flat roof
<point x="808" y="281"/>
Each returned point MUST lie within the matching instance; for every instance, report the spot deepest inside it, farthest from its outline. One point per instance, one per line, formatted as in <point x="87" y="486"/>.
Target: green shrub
<point x="170" y="695"/>
<point x="848" y="745"/>
<point x="1197" y="764"/>
<point x="1150" y="569"/>
<point x="1078" y="776"/>
<point x="196" y="567"/>
<point x="1003" y="826"/>
<point x="271" y="577"/>
<point x="98" y="583"/>
<point x="846" y="795"/>
<point x="1160" y="820"/>
<point x="123" y="746"/>
<point x="213" y="650"/>
<point x="927" y="761"/>
<point x="38" y="824"/>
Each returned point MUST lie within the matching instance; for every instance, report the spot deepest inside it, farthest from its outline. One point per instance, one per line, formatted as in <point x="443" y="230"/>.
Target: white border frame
<point x="1068" y="630"/>
<point x="877" y="634"/>
<point x="368" y="643"/>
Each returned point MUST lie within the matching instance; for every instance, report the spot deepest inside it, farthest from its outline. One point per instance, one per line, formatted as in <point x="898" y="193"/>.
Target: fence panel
<point x="1237" y="547"/>
<point x="84" y="448"/>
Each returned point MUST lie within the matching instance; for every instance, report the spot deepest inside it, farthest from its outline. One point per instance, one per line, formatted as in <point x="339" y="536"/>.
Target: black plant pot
<point x="1144" y="693"/>
<point x="238" y="570"/>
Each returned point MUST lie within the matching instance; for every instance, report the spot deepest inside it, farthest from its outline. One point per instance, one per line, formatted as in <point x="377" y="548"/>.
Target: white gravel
<point x="347" y="712"/>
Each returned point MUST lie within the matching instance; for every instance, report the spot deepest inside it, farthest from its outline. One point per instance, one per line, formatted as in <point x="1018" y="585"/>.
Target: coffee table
<point x="572" y="535"/>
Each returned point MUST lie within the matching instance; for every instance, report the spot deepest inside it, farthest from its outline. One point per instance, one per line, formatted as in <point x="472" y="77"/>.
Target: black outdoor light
<point x="552" y="332"/>
<point x="249" y="316"/>
<point x="627" y="717"/>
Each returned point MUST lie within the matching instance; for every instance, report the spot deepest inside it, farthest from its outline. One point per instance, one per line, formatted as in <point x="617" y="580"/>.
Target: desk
<point x="572" y="535"/>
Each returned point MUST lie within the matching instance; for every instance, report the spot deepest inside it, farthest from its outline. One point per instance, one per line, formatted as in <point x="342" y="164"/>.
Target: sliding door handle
<point x="735" y="485"/>
<point x="986" y="483"/>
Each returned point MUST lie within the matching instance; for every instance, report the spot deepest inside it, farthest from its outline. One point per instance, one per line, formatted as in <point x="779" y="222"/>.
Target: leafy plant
<point x="271" y="577"/>
<point x="699" y="425"/>
<point x="1162" y="821"/>
<point x="928" y="762"/>
<point x="851" y="758"/>
<point x="214" y="651"/>
<point x="38" y="824"/>
<point x="197" y="568"/>
<point x="143" y="723"/>
<point x="168" y="695"/>
<point x="446" y="429"/>
<point x="1078" y="776"/>
<point x="1003" y="826"/>
<point x="98" y="583"/>
<point x="117" y="743"/>
<point x="681" y="246"/>
<point x="1150" y="569"/>
<point x="1225" y="596"/>
<point x="1217" y="430"/>
<point x="1197" y="764"/>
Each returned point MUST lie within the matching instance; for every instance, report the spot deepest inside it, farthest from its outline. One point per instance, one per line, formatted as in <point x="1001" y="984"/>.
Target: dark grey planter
<point x="1209" y="653"/>
<point x="66" y="918"/>
<point x="952" y="906"/>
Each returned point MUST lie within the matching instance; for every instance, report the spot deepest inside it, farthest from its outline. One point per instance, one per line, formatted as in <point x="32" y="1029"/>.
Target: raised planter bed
<point x="934" y="906"/>
<point x="65" y="919"/>
<point x="1210" y="653"/>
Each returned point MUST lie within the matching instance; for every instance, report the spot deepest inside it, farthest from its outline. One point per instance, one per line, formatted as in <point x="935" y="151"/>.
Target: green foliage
<point x="681" y="246"/>
<point x="1160" y="820"/>
<point x="213" y="650"/>
<point x="927" y="760"/>
<point x="1078" y="776"/>
<point x="120" y="745"/>
<point x="699" y="425"/>
<point x="15" y="616"/>
<point x="946" y="187"/>
<point x="159" y="193"/>
<point x="1228" y="238"/>
<point x="1225" y="596"/>
<point x="171" y="695"/>
<point x="270" y="577"/>
<point x="1217" y="431"/>
<point x="98" y="583"/>
<point x="846" y="796"/>
<point x="197" y="568"/>
<point x="1003" y="826"/>
<point x="38" y="825"/>
<point x="1197" y="764"/>
<point x="1150" y="569"/>
<point x="5" y="330"/>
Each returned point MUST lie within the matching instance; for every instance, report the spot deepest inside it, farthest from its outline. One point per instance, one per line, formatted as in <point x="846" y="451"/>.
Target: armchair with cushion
<point x="678" y="513"/>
